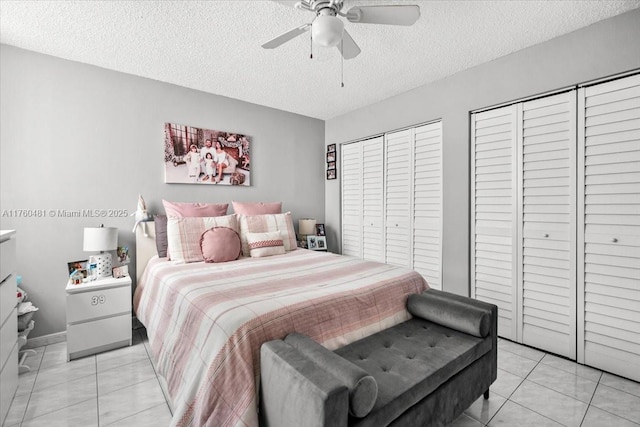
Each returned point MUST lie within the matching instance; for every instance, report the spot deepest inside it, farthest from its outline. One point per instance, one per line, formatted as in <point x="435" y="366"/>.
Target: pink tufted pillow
<point x="220" y="244"/>
<point x="182" y="210"/>
<point x="257" y="208"/>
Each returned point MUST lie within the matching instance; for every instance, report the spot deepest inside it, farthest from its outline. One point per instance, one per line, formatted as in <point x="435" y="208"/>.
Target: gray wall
<point x="75" y="136"/>
<point x="603" y="49"/>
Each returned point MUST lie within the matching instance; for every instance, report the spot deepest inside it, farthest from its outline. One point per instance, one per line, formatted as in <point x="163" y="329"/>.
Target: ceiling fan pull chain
<point x="341" y="63"/>
<point x="311" y="46"/>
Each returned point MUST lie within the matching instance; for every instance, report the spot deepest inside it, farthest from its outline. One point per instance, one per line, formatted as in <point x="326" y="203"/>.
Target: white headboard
<point x="145" y="246"/>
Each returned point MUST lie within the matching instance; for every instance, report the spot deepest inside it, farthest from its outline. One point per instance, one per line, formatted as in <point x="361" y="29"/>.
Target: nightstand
<point x="98" y="316"/>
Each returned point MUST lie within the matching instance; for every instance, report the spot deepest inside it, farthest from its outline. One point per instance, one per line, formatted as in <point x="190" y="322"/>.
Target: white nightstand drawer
<point x="99" y="303"/>
<point x="99" y="335"/>
<point x="8" y="336"/>
<point x="7" y="258"/>
<point x="8" y="299"/>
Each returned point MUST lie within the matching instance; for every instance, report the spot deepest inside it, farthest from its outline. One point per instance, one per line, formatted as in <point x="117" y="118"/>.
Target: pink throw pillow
<point x="183" y="210"/>
<point x="220" y="244"/>
<point x="257" y="208"/>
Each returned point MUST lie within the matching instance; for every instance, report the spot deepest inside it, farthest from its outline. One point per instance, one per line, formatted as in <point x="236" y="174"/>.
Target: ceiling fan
<point x="328" y="30"/>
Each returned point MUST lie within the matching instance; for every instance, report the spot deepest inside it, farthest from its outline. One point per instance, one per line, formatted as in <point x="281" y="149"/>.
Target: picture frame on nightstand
<point x="80" y="266"/>
<point x="122" y="271"/>
<point x="317" y="243"/>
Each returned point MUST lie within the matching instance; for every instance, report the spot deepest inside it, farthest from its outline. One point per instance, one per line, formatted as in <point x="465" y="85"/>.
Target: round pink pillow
<point x="220" y="244"/>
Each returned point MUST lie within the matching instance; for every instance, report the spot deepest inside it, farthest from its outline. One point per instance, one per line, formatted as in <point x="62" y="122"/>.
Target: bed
<point x="207" y="321"/>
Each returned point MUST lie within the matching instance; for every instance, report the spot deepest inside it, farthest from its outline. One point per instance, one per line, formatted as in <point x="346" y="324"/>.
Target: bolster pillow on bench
<point x="452" y="311"/>
<point x="363" y="389"/>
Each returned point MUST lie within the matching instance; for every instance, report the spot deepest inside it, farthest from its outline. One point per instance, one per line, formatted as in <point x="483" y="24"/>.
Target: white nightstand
<point x="98" y="316"/>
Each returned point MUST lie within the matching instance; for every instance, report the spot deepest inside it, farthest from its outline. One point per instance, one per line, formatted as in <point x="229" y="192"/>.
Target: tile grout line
<point x="591" y="400"/>
<point x="95" y="358"/>
<point x="31" y="389"/>
<point x="519" y="385"/>
<point x="507" y="398"/>
<point x="604" y="410"/>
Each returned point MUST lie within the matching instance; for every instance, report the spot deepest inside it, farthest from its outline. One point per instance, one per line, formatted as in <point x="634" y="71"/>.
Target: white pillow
<point x="268" y="223"/>
<point x="183" y="235"/>
<point x="265" y="244"/>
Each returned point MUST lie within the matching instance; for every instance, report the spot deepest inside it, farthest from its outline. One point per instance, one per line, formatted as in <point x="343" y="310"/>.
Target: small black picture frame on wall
<point x="332" y="172"/>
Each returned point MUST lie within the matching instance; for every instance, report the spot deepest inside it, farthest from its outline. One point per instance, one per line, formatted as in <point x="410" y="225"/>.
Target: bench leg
<point x="486" y="394"/>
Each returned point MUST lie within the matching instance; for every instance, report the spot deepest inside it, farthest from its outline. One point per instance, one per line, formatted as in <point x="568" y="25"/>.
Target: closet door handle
<point x="614" y="240"/>
<point x="545" y="235"/>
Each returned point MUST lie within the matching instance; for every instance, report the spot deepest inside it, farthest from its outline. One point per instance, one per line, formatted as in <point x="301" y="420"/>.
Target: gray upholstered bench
<point x="423" y="372"/>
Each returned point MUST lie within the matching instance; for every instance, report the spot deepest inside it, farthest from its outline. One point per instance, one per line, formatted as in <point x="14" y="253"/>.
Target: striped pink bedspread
<point x="206" y="322"/>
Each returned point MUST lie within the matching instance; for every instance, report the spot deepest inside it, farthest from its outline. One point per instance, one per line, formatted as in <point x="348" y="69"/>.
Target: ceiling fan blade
<point x="290" y="3"/>
<point x="347" y="47"/>
<point x="388" y="15"/>
<point x="283" y="38"/>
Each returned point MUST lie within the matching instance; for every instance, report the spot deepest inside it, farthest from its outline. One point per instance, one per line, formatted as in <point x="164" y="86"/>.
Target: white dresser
<point x="98" y="316"/>
<point x="8" y="322"/>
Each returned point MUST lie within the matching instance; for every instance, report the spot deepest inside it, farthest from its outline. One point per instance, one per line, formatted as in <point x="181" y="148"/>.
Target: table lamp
<point x="306" y="226"/>
<point x="101" y="239"/>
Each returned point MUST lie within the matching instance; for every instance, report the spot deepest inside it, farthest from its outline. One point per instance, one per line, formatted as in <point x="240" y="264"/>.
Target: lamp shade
<point x="326" y="30"/>
<point x="306" y="226"/>
<point x="100" y="239"/>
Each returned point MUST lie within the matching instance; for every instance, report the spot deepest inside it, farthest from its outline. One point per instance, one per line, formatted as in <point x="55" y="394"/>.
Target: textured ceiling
<point x="214" y="46"/>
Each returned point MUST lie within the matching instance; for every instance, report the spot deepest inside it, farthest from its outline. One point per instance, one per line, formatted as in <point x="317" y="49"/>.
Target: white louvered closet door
<point x="427" y="203"/>
<point x="609" y="217"/>
<point x="398" y="198"/>
<point x="351" y="174"/>
<point x="373" y="199"/>
<point x="494" y="214"/>
<point x="547" y="217"/>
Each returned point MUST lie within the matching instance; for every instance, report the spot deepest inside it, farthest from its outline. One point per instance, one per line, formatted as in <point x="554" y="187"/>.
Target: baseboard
<point x="45" y="340"/>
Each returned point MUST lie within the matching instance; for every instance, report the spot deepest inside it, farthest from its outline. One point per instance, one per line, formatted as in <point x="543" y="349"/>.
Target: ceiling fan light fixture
<point x="326" y="30"/>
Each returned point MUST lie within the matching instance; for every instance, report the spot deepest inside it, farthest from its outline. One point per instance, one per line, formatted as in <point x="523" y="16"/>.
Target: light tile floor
<point x="120" y="388"/>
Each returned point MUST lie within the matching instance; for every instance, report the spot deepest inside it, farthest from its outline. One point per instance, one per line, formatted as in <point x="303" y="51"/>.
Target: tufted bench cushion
<point x="427" y="370"/>
<point x="409" y="361"/>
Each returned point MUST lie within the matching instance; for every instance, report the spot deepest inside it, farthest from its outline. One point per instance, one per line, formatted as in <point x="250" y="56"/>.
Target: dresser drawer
<point x="98" y="335"/>
<point x="7" y="258"/>
<point x="84" y="306"/>
<point x="8" y="383"/>
<point x="8" y="336"/>
<point x="8" y="299"/>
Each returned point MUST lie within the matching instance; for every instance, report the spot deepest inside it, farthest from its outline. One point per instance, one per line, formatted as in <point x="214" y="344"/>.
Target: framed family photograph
<point x="195" y="155"/>
<point x="320" y="230"/>
<point x="331" y="148"/>
<point x="331" y="174"/>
